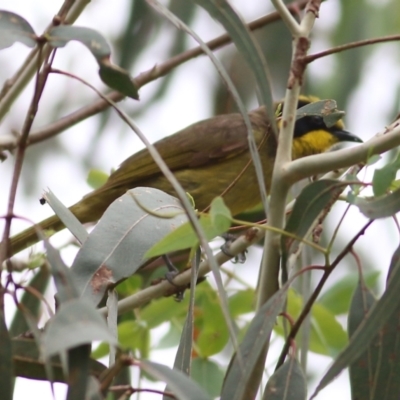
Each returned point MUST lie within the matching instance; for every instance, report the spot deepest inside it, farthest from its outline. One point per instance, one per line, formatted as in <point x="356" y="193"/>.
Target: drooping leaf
<point x="117" y="245"/>
<point x="63" y="279"/>
<point x="381" y="207"/>
<point x="215" y="223"/>
<point x="14" y="28"/>
<point x="364" y="368"/>
<point x="287" y="383"/>
<point x="313" y="199"/>
<point x="182" y="386"/>
<point x="242" y="366"/>
<point x="76" y="323"/>
<point x="208" y="374"/>
<point x="380" y="313"/>
<point x="6" y="361"/>
<point x="112" y="75"/>
<point x="383" y="177"/>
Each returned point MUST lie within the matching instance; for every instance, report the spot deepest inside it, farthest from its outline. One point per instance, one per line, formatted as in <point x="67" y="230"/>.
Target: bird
<point x="206" y="158"/>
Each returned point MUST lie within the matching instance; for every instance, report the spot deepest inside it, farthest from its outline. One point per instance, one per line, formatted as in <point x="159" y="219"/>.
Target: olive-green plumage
<point x="206" y="158"/>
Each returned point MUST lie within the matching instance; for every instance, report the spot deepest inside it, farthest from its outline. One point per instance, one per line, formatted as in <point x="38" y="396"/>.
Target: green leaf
<point x="242" y="302"/>
<point x="374" y="159"/>
<point x="96" y="178"/>
<point x="133" y="335"/>
<point x="327" y="335"/>
<point x="117" y="79"/>
<point x="162" y="310"/>
<point x="62" y="275"/>
<point x="208" y="375"/>
<point x="364" y="368"/>
<point x="384" y="177"/>
<point x="14" y="28"/>
<point x="184" y="237"/>
<point x="220" y="215"/>
<point x="212" y="337"/>
<point x="337" y="299"/>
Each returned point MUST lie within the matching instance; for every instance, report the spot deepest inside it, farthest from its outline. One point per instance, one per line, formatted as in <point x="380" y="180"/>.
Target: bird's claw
<point x="229" y="238"/>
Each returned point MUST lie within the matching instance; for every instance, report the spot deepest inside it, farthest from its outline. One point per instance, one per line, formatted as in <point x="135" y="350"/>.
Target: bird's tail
<point x="29" y="236"/>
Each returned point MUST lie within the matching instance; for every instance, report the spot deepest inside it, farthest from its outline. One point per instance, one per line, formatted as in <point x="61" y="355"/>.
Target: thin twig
<point x="307" y="308"/>
<point x="361" y="43"/>
<point x="19" y="158"/>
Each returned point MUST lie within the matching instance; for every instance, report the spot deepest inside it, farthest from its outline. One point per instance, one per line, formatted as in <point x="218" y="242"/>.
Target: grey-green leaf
<point x="309" y="204"/>
<point x="59" y="36"/>
<point x="181" y="385"/>
<point x="66" y="216"/>
<point x="112" y="75"/>
<point x="14" y="28"/>
<point x="115" y="248"/>
<point x="363" y="369"/>
<point x="327" y="109"/>
<point x="287" y="383"/>
<point x="77" y="322"/>
<point x="381" y="207"/>
<point x="380" y="313"/>
<point x="242" y="366"/>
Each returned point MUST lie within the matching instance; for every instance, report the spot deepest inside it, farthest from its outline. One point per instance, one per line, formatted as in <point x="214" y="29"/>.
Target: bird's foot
<point x="230" y="238"/>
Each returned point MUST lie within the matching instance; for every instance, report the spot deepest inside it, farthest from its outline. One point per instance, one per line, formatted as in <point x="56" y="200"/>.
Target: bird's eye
<point x="317" y="120"/>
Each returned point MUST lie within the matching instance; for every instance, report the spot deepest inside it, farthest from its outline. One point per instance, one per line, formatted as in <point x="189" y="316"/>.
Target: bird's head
<point x="312" y="136"/>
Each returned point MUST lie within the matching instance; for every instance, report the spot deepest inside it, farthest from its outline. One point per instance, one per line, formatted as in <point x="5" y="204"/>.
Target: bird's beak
<point x="344" y="136"/>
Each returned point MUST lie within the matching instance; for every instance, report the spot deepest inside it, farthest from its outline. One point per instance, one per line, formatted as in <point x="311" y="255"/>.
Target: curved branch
<point x="321" y="163"/>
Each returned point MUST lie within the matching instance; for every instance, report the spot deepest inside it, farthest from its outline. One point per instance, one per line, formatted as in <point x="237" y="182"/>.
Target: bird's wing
<point x="205" y="142"/>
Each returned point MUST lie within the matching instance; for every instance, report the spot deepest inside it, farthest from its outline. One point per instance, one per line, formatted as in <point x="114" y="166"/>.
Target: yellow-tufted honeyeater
<point x="206" y="158"/>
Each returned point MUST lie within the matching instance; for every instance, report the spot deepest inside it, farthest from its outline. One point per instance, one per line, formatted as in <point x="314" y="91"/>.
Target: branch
<point x="367" y="42"/>
<point x="100" y="105"/>
<point x="268" y="283"/>
<point x="321" y="163"/>
<point x="164" y="288"/>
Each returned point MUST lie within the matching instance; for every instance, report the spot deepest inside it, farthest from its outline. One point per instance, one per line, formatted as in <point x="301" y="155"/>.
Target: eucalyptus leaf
<point x="76" y="323"/>
<point x="14" y="28"/>
<point x="116" y="247"/>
